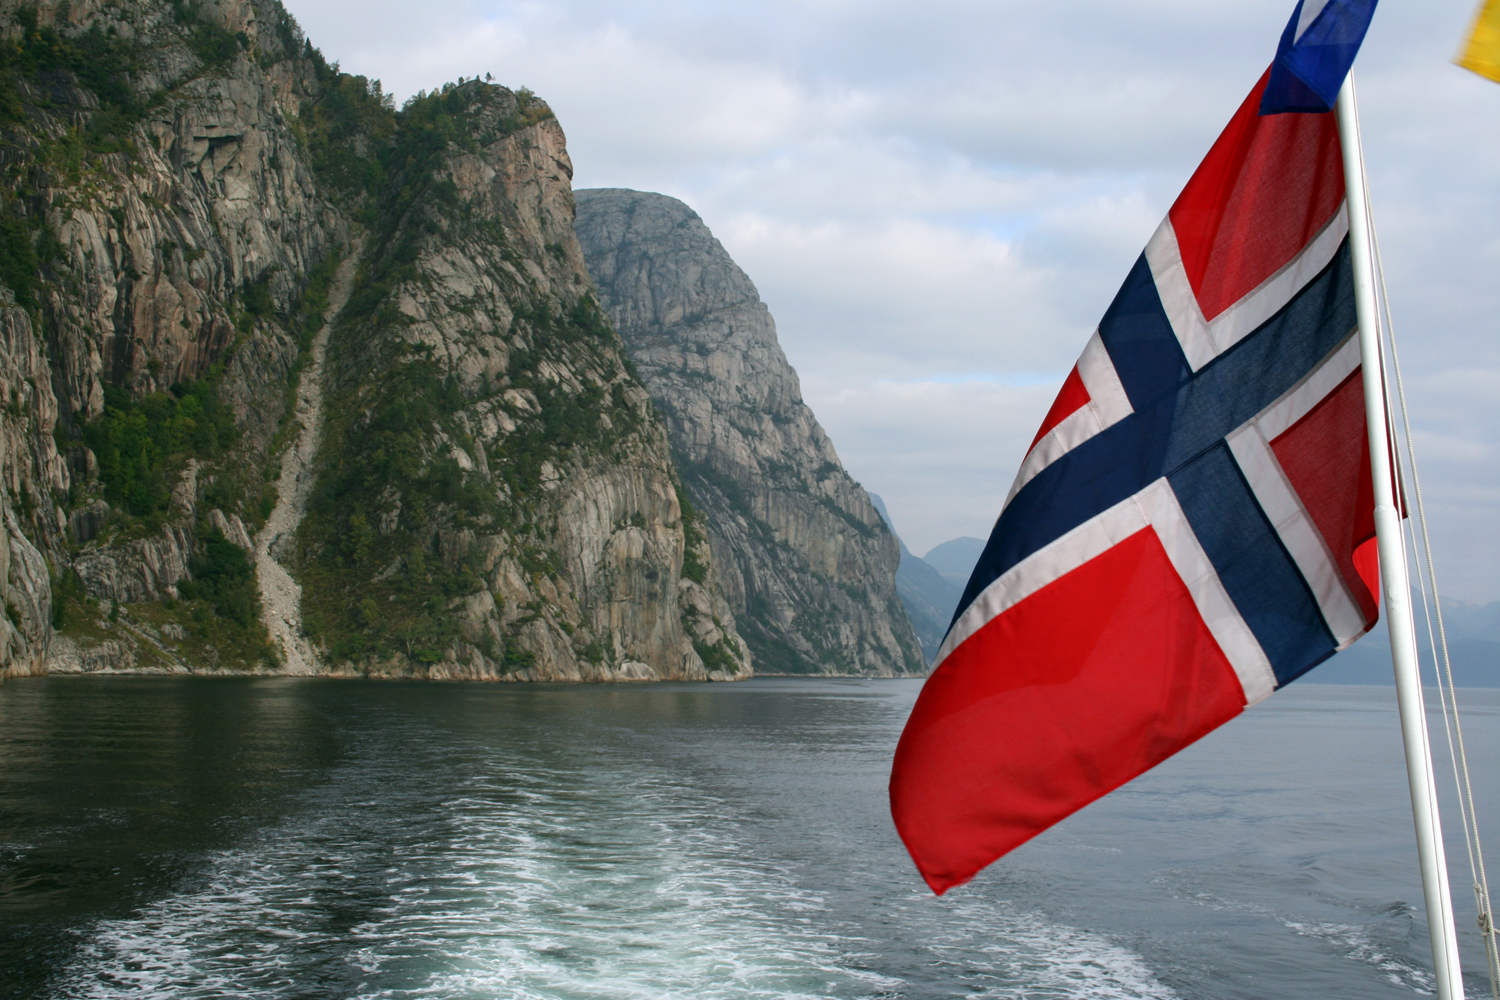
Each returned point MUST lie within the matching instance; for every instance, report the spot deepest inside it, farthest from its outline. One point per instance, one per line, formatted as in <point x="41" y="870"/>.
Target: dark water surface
<point x="312" y="838"/>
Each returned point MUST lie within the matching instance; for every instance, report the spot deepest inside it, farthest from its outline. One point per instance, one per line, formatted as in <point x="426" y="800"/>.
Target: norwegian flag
<point x="1188" y="530"/>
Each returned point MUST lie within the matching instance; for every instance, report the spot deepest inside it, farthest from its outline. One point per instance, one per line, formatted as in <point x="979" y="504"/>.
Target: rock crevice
<point x="280" y="595"/>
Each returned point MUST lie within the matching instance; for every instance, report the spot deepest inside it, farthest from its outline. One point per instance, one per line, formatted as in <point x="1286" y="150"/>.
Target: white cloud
<point x="921" y="298"/>
<point x="938" y="202"/>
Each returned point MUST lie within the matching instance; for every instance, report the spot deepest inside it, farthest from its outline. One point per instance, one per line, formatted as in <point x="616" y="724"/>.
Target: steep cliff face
<point x="31" y="471"/>
<point x="806" y="562"/>
<point x="500" y="501"/>
<point x="158" y="229"/>
<point x="492" y="495"/>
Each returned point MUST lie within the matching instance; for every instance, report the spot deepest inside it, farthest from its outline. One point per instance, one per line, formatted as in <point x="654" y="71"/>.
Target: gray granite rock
<point x="805" y="561"/>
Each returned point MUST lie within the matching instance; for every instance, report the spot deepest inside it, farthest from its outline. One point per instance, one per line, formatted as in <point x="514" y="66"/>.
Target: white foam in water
<point x="1356" y="944"/>
<point x="615" y="886"/>
<point x="1038" y="958"/>
<point x="1351" y="941"/>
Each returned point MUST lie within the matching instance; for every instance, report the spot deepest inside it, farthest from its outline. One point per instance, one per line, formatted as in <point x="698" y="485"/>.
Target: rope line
<point x="1438" y="636"/>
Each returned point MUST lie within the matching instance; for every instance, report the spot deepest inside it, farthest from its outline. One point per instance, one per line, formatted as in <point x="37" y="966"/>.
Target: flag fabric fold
<point x="1191" y="529"/>
<point x="1481" y="52"/>
<point x="1316" y="51"/>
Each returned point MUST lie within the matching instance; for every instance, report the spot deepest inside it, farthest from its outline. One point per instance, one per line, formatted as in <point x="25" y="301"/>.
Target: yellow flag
<point x="1482" y="51"/>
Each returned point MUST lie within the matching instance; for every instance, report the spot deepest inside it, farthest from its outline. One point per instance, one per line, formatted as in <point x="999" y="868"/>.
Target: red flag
<point x="1185" y="534"/>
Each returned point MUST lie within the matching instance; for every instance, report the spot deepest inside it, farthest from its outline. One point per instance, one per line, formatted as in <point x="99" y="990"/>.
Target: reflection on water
<point x="308" y="838"/>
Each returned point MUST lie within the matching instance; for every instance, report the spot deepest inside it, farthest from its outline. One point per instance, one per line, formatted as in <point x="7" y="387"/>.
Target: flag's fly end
<point x="1316" y="51"/>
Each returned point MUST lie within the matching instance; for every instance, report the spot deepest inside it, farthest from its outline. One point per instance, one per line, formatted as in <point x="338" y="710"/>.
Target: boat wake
<point x="558" y="882"/>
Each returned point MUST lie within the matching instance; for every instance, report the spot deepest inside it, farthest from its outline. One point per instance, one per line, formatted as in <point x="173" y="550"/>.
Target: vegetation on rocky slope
<point x="164" y="335"/>
<point x="494" y="494"/>
<point x="437" y="480"/>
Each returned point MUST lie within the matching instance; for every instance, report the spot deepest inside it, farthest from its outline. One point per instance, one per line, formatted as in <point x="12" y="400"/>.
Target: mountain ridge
<point x="930" y="597"/>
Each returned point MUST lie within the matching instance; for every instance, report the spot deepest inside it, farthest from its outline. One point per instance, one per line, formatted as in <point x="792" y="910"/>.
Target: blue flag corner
<point x="1316" y="52"/>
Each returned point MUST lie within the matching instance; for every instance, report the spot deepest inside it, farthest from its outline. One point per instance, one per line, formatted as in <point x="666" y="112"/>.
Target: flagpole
<point x="1393" y="572"/>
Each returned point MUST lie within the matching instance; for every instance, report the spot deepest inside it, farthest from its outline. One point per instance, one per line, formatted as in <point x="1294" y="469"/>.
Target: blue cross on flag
<point x="1193" y="524"/>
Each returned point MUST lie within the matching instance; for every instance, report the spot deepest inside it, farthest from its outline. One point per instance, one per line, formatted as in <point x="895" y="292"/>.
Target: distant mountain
<point x="929" y="600"/>
<point x="1472" y="621"/>
<point x="1472" y="648"/>
<point x="955" y="559"/>
<point x="928" y="597"/>
<point x="807" y="566"/>
<point x="932" y="585"/>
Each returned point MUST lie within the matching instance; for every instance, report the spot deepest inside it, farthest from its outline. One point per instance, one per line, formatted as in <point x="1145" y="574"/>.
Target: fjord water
<point x="280" y="838"/>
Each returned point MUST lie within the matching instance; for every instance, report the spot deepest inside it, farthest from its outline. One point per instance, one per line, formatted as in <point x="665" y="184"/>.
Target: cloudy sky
<point x="937" y="202"/>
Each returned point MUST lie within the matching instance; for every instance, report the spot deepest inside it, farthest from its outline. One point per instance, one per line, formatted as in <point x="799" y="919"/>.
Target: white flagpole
<point x="1393" y="574"/>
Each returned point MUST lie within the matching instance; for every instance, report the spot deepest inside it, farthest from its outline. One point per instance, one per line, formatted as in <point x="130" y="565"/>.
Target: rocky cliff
<point x="155" y="237"/>
<point x="806" y="562"/>
<point x="476" y="485"/>
<point x="500" y="500"/>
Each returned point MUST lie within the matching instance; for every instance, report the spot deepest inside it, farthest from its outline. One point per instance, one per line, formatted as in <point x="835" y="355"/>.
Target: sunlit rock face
<point x="152" y="177"/>
<point x="805" y="561"/>
<point x="201" y="211"/>
<point x="483" y="425"/>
